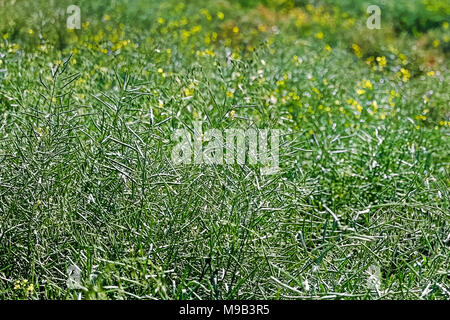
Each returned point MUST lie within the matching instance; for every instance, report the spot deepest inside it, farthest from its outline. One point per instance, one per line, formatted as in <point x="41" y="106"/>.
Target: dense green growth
<point x="359" y="210"/>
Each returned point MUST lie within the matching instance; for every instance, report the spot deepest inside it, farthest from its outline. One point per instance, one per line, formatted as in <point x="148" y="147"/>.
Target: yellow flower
<point x="205" y="12"/>
<point x="196" y="29"/>
<point x="394" y="93"/>
<point x="403" y="58"/>
<point x="328" y="48"/>
<point x="160" y="70"/>
<point x="30" y="288"/>
<point x="185" y="34"/>
<point x="230" y="94"/>
<point x="375" y="105"/>
<point x="220" y="15"/>
<point x="381" y="61"/>
<point x="357" y="50"/>
<point x="367" y="84"/>
<point x="360" y="91"/>
<point x="430" y="73"/>
<point x="369" y="60"/>
<point x="160" y="20"/>
<point x="421" y="117"/>
<point x="30" y="31"/>
<point x="445" y="25"/>
<point x="232" y="114"/>
<point x="359" y="108"/>
<point x="188" y="92"/>
<point x="236" y="29"/>
<point x="404" y="73"/>
<point x="319" y="35"/>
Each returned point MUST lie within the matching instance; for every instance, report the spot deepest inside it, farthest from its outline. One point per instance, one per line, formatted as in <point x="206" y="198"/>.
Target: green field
<point x="92" y="206"/>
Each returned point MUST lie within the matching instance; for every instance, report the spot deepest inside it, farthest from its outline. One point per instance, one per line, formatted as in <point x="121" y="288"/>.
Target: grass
<point x="359" y="210"/>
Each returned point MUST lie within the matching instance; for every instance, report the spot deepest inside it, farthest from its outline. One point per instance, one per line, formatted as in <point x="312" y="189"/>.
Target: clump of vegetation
<point x="358" y="210"/>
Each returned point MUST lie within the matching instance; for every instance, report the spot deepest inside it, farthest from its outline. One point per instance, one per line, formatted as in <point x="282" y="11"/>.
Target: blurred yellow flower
<point x="381" y="61"/>
<point x="367" y="84"/>
<point x="421" y="117"/>
<point x="370" y="60"/>
<point x="357" y="50"/>
<point x="188" y="92"/>
<point x="196" y="29"/>
<point x="185" y="34"/>
<point x="206" y="13"/>
<point x="374" y="105"/>
<point x="404" y="74"/>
